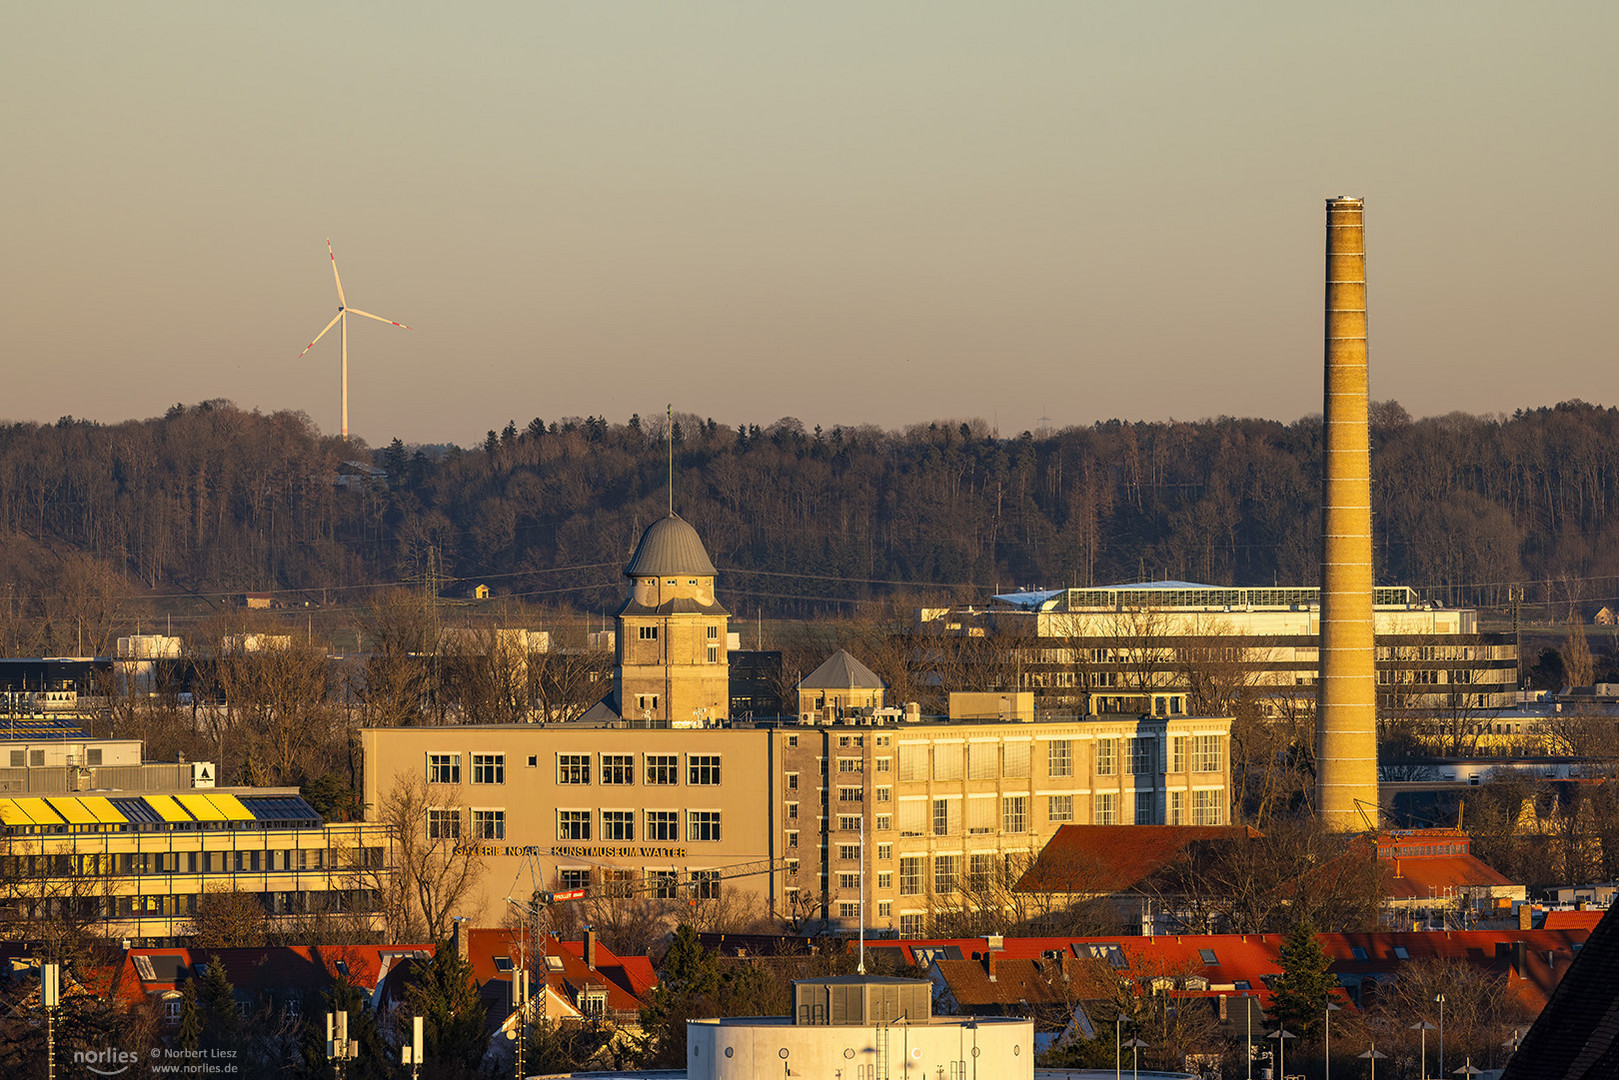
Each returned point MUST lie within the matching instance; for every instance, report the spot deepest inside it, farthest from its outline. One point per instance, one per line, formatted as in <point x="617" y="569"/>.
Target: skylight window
<point x="143" y="967"/>
<point x="1401" y="953"/>
<point x="1360" y="953"/>
<point x="1208" y="956"/>
<point x="503" y="964"/>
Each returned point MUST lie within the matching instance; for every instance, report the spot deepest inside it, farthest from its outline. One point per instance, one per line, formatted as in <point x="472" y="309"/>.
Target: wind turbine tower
<point x="342" y="316"/>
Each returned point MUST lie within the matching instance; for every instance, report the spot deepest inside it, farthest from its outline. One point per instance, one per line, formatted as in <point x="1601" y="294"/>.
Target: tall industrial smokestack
<point x="1346" y="709"/>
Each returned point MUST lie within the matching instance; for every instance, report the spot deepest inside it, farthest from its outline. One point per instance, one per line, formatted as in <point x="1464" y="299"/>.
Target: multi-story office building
<point x="921" y="808"/>
<point x="1118" y="644"/>
<point x="651" y="785"/>
<point x="126" y="848"/>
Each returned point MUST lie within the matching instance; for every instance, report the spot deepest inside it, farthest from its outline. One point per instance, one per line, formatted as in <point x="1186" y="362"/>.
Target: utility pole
<point x="50" y="996"/>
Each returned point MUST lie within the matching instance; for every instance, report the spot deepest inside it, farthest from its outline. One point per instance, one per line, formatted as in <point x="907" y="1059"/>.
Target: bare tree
<point x="435" y="869"/>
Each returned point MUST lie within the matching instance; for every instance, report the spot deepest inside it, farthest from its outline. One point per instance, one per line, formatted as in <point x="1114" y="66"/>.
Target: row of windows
<point x="1138" y="756"/>
<point x="15" y="868"/>
<point x="152" y="906"/>
<point x="618" y="825"/>
<point x="616" y="770"/>
<point x="701" y="825"/>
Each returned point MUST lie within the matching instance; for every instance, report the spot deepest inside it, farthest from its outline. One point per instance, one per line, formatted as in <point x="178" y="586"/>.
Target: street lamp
<point x="1441" y="999"/>
<point x="1281" y="1035"/>
<point x="1423" y="1027"/>
<point x="1136" y="1046"/>
<point x="1118" y="1047"/>
<point x="1326" y="1037"/>
<point x="1372" y="1055"/>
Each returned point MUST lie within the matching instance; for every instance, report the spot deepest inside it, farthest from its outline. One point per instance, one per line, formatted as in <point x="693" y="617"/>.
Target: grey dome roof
<point x="670" y="546"/>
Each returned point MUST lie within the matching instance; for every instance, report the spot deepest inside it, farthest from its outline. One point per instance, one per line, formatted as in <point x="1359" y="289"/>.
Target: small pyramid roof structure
<point x="842" y="672"/>
<point x="670" y="546"/>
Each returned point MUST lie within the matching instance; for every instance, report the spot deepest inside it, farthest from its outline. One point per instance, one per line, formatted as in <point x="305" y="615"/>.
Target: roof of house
<point x="1419" y="878"/>
<point x="840" y="671"/>
<point x="1019" y="982"/>
<point x="670" y="546"/>
<point x="1240" y="963"/>
<point x="1576" y="1036"/>
<point x="566" y="971"/>
<point x="280" y="971"/>
<point x="1113" y="858"/>
<point x="1572" y="920"/>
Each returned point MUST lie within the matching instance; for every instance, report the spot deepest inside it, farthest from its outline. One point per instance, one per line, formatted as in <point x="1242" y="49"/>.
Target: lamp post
<point x="1423" y="1027"/>
<point x="1136" y="1046"/>
<point x="1281" y="1035"/>
<point x="1467" y="1070"/>
<point x="1118" y="1047"/>
<point x="1326" y="1038"/>
<point x="1441" y="999"/>
<point x="1372" y="1055"/>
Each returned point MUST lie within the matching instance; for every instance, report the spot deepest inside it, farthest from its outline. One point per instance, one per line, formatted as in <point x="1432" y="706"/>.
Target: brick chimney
<point x="989" y="965"/>
<point x="1526" y="916"/>
<point x="590" y="947"/>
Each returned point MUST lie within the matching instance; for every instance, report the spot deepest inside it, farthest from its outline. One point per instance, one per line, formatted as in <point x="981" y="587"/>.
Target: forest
<point x="100" y="521"/>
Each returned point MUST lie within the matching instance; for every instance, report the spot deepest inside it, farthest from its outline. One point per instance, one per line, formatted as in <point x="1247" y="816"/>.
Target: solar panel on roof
<point x="280" y="808"/>
<point x="136" y="810"/>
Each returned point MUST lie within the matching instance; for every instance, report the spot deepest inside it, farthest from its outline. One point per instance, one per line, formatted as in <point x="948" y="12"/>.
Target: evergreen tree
<point x="222" y="1026"/>
<point x="191" y="1019"/>
<point x="442" y="992"/>
<point x="1299" y="995"/>
<point x="688" y="987"/>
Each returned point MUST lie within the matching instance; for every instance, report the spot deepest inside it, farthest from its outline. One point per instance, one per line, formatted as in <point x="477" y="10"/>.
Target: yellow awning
<point x="167" y="808"/>
<point x="231" y="807"/>
<point x="101" y="806"/>
<point x="41" y="813"/>
<point x="71" y="809"/>
<point x="199" y="807"/>
<point x="10" y="814"/>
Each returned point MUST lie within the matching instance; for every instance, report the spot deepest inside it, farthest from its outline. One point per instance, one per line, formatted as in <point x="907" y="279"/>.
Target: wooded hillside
<point x="213" y="499"/>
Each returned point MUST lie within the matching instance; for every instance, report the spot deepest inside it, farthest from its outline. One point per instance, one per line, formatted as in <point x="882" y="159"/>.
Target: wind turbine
<point x="342" y="316"/>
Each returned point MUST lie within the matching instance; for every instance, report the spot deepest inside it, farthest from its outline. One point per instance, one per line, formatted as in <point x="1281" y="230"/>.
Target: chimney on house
<point x="989" y="965"/>
<point x="1526" y="916"/>
<point x="1346" y="732"/>
<point x="590" y="947"/>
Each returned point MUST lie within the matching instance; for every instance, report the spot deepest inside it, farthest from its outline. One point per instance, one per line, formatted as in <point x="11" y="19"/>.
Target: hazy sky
<point x="844" y="212"/>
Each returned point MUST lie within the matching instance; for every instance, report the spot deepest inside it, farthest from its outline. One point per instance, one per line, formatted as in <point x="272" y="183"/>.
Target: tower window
<point x="648" y="633"/>
<point x="713" y="633"/>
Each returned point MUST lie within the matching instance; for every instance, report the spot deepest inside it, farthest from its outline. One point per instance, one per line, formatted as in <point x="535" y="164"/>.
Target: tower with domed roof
<point x="671" y="667"/>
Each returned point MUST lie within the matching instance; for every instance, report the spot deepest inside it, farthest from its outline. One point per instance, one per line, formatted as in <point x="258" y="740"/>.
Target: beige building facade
<point x="671" y="667"/>
<point x="919" y="808"/>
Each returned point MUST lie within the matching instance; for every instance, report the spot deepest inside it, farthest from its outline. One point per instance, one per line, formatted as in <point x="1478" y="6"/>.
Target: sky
<point x="1041" y="214"/>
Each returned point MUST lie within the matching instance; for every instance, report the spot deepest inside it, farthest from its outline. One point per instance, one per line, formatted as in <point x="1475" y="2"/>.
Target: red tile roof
<point x="1250" y="957"/>
<point x="1572" y="920"/>
<point x="483" y="946"/>
<point x="1112" y="858"/>
<point x="1419" y="878"/>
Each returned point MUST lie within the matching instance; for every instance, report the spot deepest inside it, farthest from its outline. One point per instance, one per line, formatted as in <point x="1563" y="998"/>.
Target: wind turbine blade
<point x="379" y="318"/>
<point x="320" y="335"/>
<point x="335" y="278"/>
